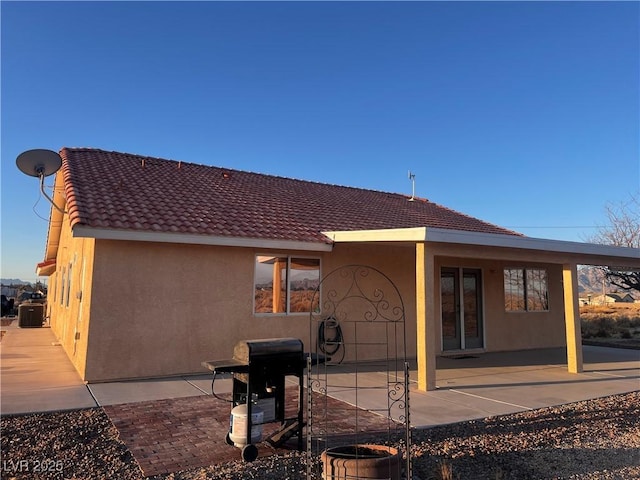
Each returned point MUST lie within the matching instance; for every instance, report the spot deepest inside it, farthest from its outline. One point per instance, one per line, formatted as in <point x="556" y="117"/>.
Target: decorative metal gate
<point x="358" y="327"/>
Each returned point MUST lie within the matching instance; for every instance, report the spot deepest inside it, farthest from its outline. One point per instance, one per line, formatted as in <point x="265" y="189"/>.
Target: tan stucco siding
<point x="161" y="309"/>
<point x="177" y="305"/>
<point x="69" y="296"/>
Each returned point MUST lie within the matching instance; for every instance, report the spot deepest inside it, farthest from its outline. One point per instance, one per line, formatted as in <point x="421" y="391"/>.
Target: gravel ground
<point x="597" y="439"/>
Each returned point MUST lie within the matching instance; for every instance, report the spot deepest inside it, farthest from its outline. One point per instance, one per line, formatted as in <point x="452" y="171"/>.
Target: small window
<point x="284" y="284"/>
<point x="525" y="289"/>
<point x="62" y="280"/>
<point x="69" y="284"/>
<point x="54" y="287"/>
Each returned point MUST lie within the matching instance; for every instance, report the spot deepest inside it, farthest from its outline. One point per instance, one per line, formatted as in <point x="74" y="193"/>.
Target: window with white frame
<point x="284" y="284"/>
<point x="526" y="290"/>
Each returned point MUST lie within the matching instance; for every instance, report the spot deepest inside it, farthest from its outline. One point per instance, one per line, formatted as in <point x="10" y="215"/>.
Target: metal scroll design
<point x="357" y="328"/>
<point x="355" y="283"/>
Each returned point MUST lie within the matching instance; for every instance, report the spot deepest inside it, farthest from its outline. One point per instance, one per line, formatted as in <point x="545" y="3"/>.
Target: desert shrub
<point x="444" y="471"/>
<point x="616" y="311"/>
<point x="301" y="300"/>
<point x="264" y="301"/>
<point x="599" y="327"/>
<point x="618" y="320"/>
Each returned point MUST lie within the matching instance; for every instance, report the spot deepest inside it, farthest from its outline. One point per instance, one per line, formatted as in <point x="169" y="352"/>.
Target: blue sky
<point x="524" y="114"/>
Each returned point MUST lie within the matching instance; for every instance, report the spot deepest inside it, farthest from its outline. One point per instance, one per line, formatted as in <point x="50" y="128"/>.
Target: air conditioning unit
<point x="30" y="315"/>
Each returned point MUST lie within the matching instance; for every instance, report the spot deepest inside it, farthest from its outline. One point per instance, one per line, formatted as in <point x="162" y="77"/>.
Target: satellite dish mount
<point x="40" y="163"/>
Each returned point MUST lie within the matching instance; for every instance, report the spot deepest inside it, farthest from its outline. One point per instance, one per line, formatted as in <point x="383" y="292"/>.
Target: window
<point x="69" y="284"/>
<point x="285" y="284"/>
<point x="525" y="289"/>
<point x="62" y="280"/>
<point x="57" y="286"/>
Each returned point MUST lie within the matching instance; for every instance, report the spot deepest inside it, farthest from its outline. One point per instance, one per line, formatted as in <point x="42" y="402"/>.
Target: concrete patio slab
<point x="450" y="406"/>
<point x="222" y="386"/>
<point x="480" y="385"/>
<point x="37" y="375"/>
<point x="130" y="391"/>
<point x="146" y="390"/>
<point x="46" y="400"/>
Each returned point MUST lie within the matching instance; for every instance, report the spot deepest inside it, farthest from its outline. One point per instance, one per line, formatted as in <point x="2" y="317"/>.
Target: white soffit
<point x="442" y="235"/>
<point x="56" y="218"/>
<point x="109" y="234"/>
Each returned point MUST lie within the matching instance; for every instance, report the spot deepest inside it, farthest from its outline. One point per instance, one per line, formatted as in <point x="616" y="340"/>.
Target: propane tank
<point x="238" y="433"/>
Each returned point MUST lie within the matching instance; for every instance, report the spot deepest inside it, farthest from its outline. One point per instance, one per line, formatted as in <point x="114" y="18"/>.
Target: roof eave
<point x="630" y="256"/>
<point x="82" y="231"/>
<point x="48" y="266"/>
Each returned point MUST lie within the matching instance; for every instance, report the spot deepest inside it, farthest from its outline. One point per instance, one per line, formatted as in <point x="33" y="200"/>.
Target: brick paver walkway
<point x="166" y="436"/>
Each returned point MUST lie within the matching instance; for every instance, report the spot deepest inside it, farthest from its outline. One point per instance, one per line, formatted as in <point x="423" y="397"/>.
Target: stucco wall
<point x="161" y="309"/>
<point x="69" y="295"/>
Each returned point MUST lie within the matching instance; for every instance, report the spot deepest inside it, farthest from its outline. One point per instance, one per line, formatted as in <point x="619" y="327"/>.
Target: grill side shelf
<point x="229" y="365"/>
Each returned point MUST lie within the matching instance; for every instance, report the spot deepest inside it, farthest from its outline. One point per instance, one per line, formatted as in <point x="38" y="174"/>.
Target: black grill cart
<point x="259" y="368"/>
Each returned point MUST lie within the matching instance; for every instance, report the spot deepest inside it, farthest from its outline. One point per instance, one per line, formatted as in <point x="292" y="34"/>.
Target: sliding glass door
<point x="461" y="301"/>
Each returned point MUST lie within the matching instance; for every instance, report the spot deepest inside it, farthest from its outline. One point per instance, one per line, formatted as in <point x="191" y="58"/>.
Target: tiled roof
<point x="122" y="191"/>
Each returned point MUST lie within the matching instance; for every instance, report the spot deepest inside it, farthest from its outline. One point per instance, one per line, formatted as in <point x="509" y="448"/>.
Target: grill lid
<point x="246" y="350"/>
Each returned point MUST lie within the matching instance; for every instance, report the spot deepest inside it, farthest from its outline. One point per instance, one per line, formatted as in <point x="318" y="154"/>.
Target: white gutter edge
<point x="442" y="235"/>
<point x="80" y="231"/>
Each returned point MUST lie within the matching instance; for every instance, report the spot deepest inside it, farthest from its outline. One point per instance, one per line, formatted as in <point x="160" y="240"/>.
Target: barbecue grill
<point x="259" y="368"/>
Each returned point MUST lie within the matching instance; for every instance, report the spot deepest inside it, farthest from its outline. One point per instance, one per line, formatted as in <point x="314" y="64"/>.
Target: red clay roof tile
<point x="132" y="192"/>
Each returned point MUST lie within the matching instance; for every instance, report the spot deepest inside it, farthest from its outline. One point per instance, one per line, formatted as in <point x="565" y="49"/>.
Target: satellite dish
<point x="39" y="162"/>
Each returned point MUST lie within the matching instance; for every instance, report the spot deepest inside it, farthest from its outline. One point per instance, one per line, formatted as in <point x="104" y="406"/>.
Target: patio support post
<point x="572" y="317"/>
<point x="425" y="302"/>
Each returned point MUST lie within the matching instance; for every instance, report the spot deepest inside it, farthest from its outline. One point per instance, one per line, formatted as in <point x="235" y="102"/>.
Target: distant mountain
<point x="590" y="281"/>
<point x="13" y="281"/>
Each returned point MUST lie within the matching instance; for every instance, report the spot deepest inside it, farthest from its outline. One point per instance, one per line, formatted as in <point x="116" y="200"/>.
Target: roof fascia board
<point x="443" y="235"/>
<point x="417" y="234"/>
<point x="46" y="271"/>
<point x="529" y="243"/>
<point x="81" y="231"/>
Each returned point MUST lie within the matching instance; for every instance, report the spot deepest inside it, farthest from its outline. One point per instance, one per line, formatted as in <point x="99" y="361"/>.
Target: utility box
<point x="30" y="315"/>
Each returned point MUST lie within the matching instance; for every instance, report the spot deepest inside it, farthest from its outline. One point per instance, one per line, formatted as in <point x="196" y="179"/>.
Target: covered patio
<point x="437" y="248"/>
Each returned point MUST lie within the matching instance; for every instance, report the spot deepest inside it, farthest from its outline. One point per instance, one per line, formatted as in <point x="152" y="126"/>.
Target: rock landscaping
<point x="595" y="439"/>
